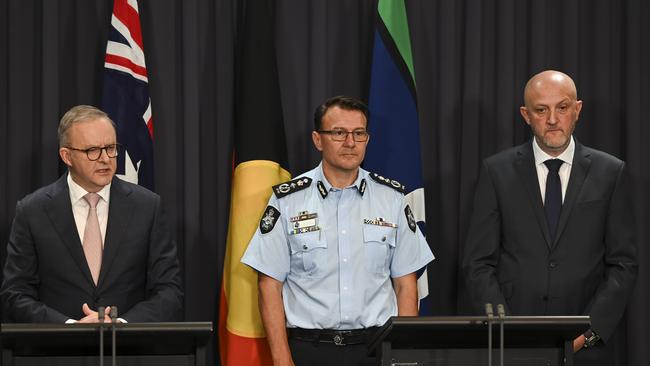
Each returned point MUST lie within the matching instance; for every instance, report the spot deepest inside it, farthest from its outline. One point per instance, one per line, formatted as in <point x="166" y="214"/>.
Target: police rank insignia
<point x="291" y="186"/>
<point x="409" y="217"/>
<point x="321" y="189"/>
<point x="388" y="182"/>
<point x="269" y="218"/>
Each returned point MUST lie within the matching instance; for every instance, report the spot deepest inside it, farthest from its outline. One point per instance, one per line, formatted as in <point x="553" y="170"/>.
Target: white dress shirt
<point x="542" y="169"/>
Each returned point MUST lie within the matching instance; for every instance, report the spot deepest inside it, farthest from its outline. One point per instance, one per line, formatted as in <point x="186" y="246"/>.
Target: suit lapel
<point x="579" y="171"/>
<point x="119" y="215"/>
<point x="525" y="166"/>
<point x="59" y="210"/>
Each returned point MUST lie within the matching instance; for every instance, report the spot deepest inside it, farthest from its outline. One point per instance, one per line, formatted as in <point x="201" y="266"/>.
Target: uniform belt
<point x="338" y="337"/>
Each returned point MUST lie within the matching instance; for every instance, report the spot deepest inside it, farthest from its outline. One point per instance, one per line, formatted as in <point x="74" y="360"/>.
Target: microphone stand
<point x="502" y="317"/>
<point x="113" y="322"/>
<point x="489" y="311"/>
<point x="101" y="313"/>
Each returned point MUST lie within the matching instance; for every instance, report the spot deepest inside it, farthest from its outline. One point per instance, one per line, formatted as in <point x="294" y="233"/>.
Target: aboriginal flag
<point x="260" y="161"/>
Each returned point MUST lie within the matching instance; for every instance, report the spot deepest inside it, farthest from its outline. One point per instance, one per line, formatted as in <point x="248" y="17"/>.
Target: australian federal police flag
<point x="126" y="94"/>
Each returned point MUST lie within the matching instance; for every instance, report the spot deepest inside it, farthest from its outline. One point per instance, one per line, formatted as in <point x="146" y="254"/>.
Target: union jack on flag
<point x="125" y="95"/>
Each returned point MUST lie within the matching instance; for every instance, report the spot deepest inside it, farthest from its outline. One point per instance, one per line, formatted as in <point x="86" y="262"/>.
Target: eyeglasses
<point x="339" y="134"/>
<point x="95" y="152"/>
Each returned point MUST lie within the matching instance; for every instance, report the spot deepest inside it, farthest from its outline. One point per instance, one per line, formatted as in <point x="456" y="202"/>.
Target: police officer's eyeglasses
<point x="95" y="152"/>
<point x="339" y="134"/>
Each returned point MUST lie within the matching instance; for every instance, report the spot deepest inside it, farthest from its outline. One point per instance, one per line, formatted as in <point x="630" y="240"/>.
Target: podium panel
<point x="451" y="341"/>
<point x="165" y="344"/>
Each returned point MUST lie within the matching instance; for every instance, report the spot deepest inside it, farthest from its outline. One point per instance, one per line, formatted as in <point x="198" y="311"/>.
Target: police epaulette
<point x="388" y="182"/>
<point x="291" y="186"/>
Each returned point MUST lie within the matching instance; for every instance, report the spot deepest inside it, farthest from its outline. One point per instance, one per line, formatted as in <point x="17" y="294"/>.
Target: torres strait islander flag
<point x="125" y="96"/>
<point x="394" y="125"/>
<point x="260" y="161"/>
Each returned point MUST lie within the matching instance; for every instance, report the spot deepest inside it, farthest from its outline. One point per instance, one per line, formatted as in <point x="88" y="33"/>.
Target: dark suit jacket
<point x="46" y="276"/>
<point x="588" y="269"/>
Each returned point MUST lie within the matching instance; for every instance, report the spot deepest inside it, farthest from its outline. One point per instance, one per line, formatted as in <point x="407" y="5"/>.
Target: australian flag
<point x="394" y="125"/>
<point x="126" y="94"/>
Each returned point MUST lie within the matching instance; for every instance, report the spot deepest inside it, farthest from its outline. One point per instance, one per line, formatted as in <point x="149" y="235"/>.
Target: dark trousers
<point x="306" y="353"/>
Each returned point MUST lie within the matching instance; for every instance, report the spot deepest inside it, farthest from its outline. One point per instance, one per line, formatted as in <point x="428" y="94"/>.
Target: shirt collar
<point x="566" y="156"/>
<point x="77" y="192"/>
<point x="359" y="183"/>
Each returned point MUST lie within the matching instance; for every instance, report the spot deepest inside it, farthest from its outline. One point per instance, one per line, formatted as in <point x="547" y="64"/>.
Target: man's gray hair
<point x="77" y="114"/>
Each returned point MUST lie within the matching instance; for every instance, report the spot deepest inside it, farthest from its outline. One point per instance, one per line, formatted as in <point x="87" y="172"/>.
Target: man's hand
<point x="578" y="343"/>
<point x="92" y="316"/>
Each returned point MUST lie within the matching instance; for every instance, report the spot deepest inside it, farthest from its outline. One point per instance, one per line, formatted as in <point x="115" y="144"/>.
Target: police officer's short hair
<point x="343" y="102"/>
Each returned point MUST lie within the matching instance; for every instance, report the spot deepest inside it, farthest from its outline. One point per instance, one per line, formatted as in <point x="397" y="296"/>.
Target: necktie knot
<point x="92" y="199"/>
<point x="553" y="165"/>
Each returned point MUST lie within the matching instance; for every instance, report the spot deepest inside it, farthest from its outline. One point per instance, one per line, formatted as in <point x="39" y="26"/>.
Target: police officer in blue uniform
<point x="336" y="250"/>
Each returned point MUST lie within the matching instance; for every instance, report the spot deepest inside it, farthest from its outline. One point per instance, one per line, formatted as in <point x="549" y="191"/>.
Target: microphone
<point x="502" y="317"/>
<point x="113" y="322"/>
<point x="489" y="312"/>
<point x="101" y="313"/>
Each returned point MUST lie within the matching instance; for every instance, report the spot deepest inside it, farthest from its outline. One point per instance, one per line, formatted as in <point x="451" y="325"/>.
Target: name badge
<point x="379" y="221"/>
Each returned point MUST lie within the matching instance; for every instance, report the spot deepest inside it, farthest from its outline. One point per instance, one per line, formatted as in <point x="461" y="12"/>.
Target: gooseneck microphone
<point x="502" y="317"/>
<point x="101" y="313"/>
<point x="113" y="322"/>
<point x="489" y="312"/>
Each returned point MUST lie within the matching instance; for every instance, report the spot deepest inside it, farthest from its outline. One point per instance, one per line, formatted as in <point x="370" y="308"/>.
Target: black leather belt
<point x="338" y="337"/>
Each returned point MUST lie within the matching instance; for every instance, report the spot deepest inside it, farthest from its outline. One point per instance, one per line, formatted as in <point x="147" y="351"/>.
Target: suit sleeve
<point x="21" y="277"/>
<point x="608" y="303"/>
<point x="481" y="252"/>
<point x="164" y="296"/>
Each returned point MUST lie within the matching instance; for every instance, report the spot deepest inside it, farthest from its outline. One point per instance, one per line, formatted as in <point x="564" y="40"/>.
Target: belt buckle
<point x="338" y="339"/>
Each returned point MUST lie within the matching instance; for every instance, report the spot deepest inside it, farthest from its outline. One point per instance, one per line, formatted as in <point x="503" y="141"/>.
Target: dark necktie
<point x="553" y="195"/>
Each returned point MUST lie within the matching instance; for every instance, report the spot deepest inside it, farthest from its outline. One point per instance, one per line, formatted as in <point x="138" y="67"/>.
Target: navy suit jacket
<point x="589" y="268"/>
<point x="47" y="278"/>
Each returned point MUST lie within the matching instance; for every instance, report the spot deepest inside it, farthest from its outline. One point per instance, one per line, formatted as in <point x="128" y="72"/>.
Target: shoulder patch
<point x="409" y="217"/>
<point x="388" y="182"/>
<point x="269" y="218"/>
<point x="291" y="186"/>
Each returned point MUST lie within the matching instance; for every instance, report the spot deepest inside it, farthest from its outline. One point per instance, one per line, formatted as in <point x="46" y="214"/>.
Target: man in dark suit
<point x="90" y="239"/>
<point x="554" y="237"/>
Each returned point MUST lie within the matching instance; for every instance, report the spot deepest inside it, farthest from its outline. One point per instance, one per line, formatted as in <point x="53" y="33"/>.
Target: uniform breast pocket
<point x="377" y="244"/>
<point x="308" y="253"/>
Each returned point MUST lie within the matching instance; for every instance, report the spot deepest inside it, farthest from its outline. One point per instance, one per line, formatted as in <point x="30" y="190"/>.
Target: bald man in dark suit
<point x="552" y="231"/>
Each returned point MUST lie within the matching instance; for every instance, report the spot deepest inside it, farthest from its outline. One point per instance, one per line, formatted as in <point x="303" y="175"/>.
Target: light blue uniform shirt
<point x="336" y="250"/>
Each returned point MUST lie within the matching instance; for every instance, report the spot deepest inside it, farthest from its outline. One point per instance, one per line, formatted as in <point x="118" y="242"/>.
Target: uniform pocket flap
<point x="306" y="242"/>
<point x="379" y="234"/>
